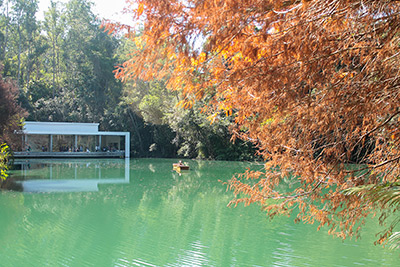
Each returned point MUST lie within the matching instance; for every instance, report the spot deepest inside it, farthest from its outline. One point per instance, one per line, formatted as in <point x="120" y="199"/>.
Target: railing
<point x="30" y="154"/>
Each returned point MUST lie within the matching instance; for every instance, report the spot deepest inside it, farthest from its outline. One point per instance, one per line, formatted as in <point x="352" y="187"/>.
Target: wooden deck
<point x="19" y="155"/>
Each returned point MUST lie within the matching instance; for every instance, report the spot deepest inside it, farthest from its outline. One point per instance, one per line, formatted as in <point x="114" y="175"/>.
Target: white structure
<point x="53" y="137"/>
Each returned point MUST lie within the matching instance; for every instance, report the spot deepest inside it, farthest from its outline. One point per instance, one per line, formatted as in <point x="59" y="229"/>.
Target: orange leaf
<point x="140" y="9"/>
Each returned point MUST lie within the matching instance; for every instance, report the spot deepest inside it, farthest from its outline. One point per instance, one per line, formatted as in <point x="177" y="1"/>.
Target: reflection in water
<point x="70" y="175"/>
<point x="158" y="218"/>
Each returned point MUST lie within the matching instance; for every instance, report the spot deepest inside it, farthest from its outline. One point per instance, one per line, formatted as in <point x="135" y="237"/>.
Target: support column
<point x="76" y="143"/>
<point x="127" y="144"/>
<point x="51" y="143"/>
<point x="100" y="143"/>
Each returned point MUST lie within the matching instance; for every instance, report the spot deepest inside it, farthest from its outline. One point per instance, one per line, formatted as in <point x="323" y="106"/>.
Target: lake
<point x="138" y="212"/>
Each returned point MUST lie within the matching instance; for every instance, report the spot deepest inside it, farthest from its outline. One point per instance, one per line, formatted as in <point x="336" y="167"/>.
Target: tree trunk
<point x="137" y="131"/>
<point x="19" y="57"/>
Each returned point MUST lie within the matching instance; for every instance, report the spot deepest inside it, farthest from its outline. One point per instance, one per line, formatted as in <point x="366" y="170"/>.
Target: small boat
<point x="180" y="166"/>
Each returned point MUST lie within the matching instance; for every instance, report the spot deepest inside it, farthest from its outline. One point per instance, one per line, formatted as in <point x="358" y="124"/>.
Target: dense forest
<point x="61" y="69"/>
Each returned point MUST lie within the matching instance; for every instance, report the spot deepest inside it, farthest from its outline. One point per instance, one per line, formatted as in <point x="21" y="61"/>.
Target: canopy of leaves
<point x="4" y="155"/>
<point x="62" y="67"/>
<point x="63" y="63"/>
<point x="313" y="83"/>
<point x="11" y="112"/>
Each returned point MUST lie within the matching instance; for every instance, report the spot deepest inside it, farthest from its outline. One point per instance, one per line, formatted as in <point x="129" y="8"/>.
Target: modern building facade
<point x="67" y="139"/>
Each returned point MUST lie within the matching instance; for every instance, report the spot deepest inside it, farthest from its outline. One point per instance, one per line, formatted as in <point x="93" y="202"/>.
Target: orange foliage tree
<point x="313" y="83"/>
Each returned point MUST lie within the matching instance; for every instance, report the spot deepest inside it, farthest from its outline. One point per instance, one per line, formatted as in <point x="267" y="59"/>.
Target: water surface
<point x="103" y="212"/>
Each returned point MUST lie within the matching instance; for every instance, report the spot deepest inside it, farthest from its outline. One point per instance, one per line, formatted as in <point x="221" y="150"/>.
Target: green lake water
<point x="138" y="212"/>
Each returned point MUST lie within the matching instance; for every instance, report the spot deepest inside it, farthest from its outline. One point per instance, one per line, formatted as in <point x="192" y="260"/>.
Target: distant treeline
<point x="62" y="70"/>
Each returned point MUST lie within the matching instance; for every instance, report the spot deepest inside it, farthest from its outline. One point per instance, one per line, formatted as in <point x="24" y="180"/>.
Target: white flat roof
<point x="65" y="128"/>
<point x="38" y="127"/>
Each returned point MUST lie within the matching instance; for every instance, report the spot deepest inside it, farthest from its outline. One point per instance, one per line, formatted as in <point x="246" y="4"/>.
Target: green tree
<point x="73" y="79"/>
<point x="54" y="29"/>
<point x="24" y="25"/>
<point x="4" y="26"/>
<point x="89" y="58"/>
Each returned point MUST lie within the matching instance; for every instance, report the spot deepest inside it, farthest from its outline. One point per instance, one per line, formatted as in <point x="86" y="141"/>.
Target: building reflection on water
<point x="70" y="175"/>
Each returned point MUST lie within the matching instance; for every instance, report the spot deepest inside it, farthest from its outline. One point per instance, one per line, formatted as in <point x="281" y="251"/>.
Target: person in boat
<point x="180" y="165"/>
